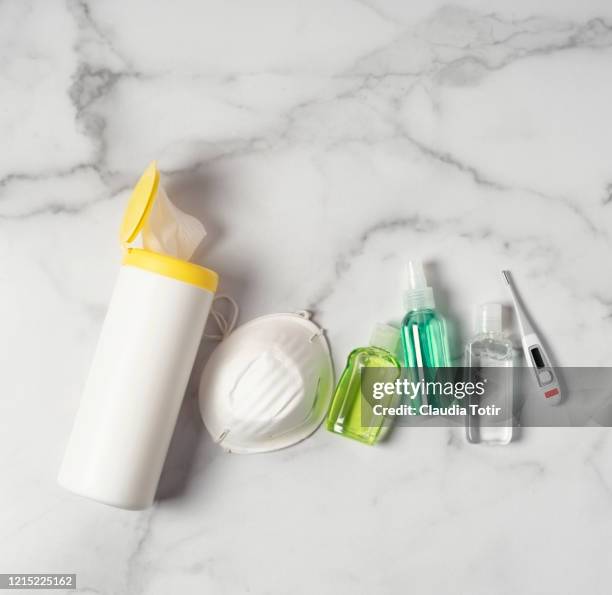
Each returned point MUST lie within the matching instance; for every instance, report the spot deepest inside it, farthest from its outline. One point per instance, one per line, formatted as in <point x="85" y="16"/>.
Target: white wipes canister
<point x="140" y="370"/>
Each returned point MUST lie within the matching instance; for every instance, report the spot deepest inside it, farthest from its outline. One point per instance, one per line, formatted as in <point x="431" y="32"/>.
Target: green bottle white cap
<point x="489" y="318"/>
<point x="417" y="294"/>
<point x="385" y="336"/>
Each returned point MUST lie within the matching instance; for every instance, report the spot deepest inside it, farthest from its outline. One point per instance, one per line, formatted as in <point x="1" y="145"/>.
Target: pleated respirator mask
<point x="268" y="384"/>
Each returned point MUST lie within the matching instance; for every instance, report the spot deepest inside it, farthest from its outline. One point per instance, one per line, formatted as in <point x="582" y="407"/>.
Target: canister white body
<point x="145" y="354"/>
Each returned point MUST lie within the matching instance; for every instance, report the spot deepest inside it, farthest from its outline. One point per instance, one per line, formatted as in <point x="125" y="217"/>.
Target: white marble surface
<point x="323" y="143"/>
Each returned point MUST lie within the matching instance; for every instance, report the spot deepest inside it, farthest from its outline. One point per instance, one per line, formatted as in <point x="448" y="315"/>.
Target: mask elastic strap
<point x="225" y="325"/>
<point x="306" y="314"/>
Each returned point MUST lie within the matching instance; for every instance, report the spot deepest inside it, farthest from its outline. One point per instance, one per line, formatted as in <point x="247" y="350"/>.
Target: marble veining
<point x="322" y="144"/>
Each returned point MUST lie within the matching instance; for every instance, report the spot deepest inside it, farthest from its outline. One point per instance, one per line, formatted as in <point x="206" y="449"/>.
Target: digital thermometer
<point x="535" y="354"/>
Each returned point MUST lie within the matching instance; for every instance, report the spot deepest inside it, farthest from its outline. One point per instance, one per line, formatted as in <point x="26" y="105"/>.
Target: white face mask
<point x="268" y="384"/>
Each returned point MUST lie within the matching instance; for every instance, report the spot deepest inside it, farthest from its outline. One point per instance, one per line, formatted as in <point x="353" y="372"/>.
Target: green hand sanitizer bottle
<point x="351" y="413"/>
<point x="424" y="338"/>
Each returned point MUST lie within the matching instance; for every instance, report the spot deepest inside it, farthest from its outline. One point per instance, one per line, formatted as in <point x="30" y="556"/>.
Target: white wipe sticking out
<point x="168" y="230"/>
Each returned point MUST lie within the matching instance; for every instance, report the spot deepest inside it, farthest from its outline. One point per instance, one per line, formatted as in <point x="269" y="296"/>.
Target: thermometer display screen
<point x="537" y="358"/>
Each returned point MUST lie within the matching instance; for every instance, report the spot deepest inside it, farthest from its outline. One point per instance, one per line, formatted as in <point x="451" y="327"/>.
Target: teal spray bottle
<point x="352" y="414"/>
<point x="424" y="336"/>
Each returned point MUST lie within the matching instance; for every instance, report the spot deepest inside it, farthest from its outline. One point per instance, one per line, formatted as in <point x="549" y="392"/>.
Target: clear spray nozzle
<point x="415" y="275"/>
<point x="417" y="294"/>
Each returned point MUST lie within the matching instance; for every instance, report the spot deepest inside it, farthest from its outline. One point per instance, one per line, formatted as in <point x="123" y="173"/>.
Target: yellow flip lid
<point x="140" y="204"/>
<point x="138" y="209"/>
